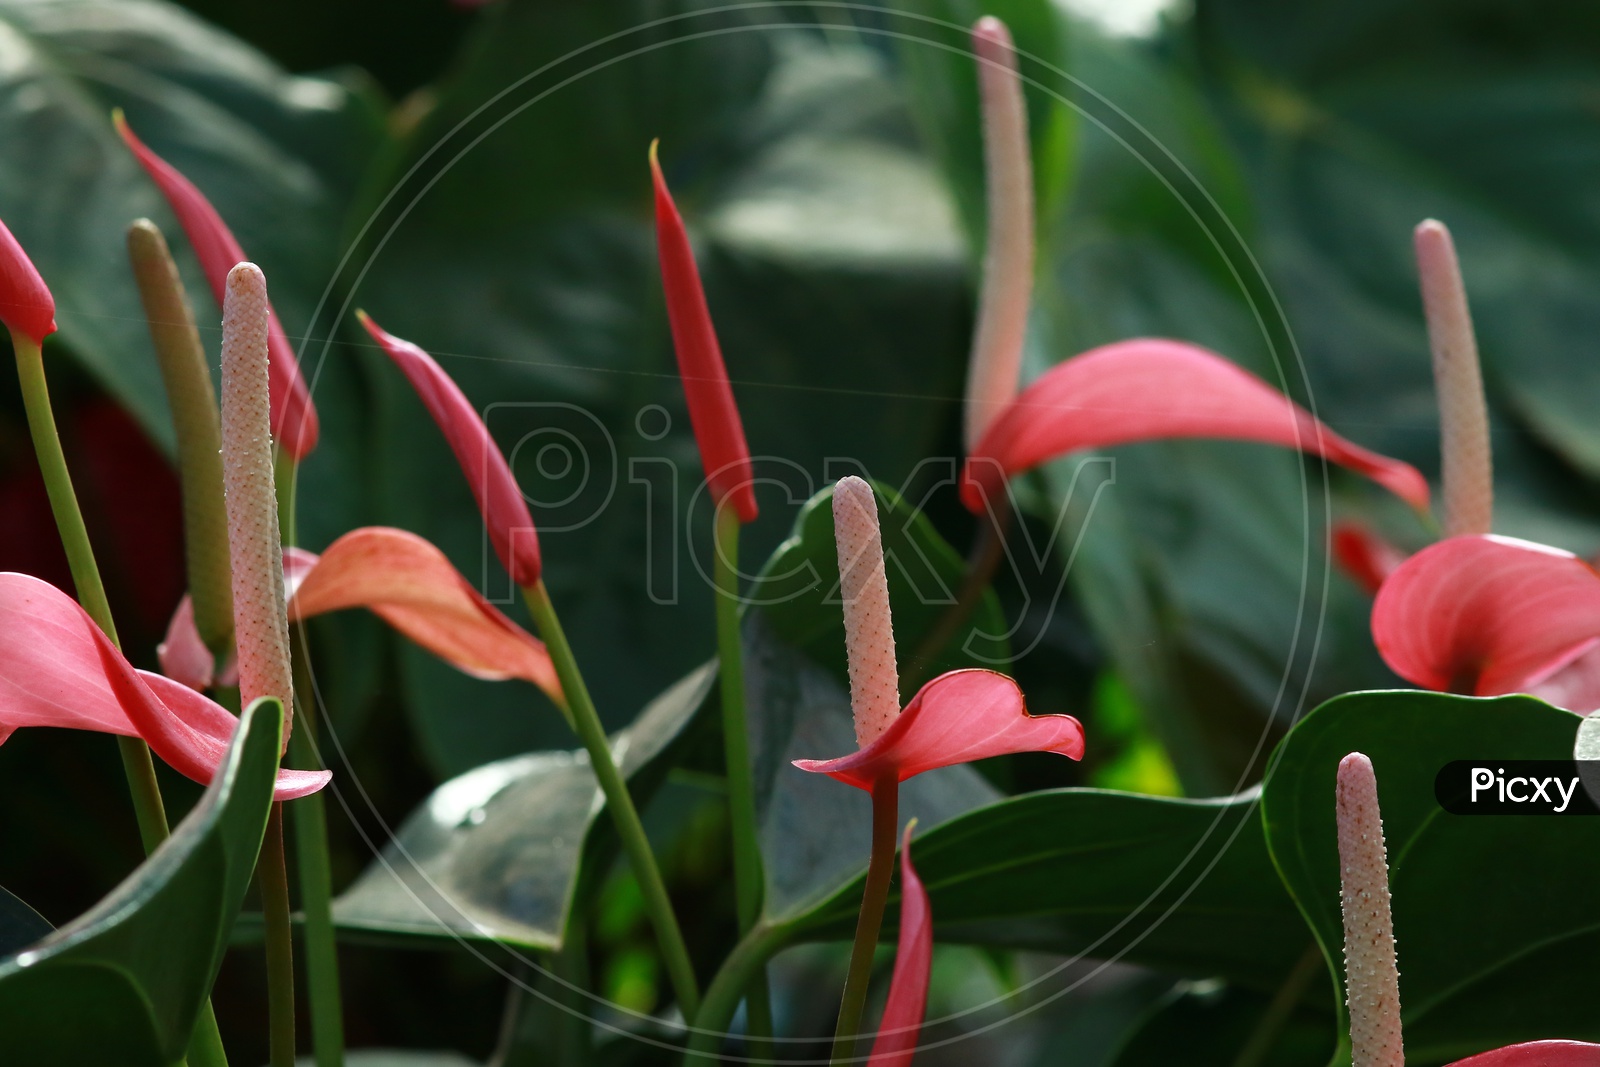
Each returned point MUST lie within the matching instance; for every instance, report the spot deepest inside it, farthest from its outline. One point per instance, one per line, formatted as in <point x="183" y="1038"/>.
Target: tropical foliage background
<point x="1237" y="173"/>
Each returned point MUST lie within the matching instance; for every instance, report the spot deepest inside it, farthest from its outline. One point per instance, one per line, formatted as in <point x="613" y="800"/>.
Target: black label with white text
<point x="1518" y="787"/>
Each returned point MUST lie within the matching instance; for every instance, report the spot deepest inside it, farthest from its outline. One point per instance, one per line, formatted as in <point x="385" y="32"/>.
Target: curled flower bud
<point x="26" y="306"/>
<point x="294" y="419"/>
<point x="717" y="428"/>
<point x="505" y="512"/>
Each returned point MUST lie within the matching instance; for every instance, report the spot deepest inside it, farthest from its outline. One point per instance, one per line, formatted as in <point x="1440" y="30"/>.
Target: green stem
<point x="1269" y="1027"/>
<point x="744" y="965"/>
<point x="586" y="721"/>
<point x="748" y="881"/>
<point x="136" y="762"/>
<point x="880" y="869"/>
<point x="316" y="881"/>
<point x="272" y="872"/>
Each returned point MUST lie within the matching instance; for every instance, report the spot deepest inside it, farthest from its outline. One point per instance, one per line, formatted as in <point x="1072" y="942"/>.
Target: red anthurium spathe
<point x="294" y="418"/>
<point x="1364" y="556"/>
<point x="406" y="581"/>
<point x="1148" y="389"/>
<point x="718" y="429"/>
<point x="1537" y="1054"/>
<point x="913" y="960"/>
<point x="58" y="669"/>
<point x="410" y="584"/>
<point x="26" y="305"/>
<point x="1488" y="615"/>
<point x="958" y="717"/>
<point x="505" y="511"/>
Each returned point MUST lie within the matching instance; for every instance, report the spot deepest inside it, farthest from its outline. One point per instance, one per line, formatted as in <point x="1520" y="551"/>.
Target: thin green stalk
<point x="880" y="868"/>
<point x="586" y="721"/>
<point x="136" y="762"/>
<point x="271" y="870"/>
<point x="316" y="880"/>
<point x="1269" y="1027"/>
<point x="748" y="881"/>
<point x="747" y="960"/>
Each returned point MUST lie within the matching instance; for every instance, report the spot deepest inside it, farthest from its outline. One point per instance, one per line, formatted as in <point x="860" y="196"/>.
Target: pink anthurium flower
<point x="1488" y="615"/>
<point x="913" y="960"/>
<point x="1372" y="974"/>
<point x="958" y="717"/>
<point x="406" y="581"/>
<point x="505" y="511"/>
<point x="26" y="304"/>
<point x="718" y="429"/>
<point x="294" y="418"/>
<point x="58" y="669"/>
<point x="1147" y="389"/>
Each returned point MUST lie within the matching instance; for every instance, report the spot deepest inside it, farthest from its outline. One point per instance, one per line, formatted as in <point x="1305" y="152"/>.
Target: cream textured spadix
<point x="868" y="632"/>
<point x="1468" y="470"/>
<point x="260" y="621"/>
<point x="996" y="360"/>
<point x="1372" y="979"/>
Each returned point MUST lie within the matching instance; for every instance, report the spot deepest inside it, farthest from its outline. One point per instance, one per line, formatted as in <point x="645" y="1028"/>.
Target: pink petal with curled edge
<point x="958" y="717"/>
<point x="410" y="584"/>
<point x="1537" y="1054"/>
<point x="500" y="501"/>
<point x="294" y="417"/>
<point x="1148" y="389"/>
<point x="183" y="656"/>
<point x="913" y="959"/>
<point x="1487" y="615"/>
<point x="58" y="669"/>
<point x="1365" y="558"/>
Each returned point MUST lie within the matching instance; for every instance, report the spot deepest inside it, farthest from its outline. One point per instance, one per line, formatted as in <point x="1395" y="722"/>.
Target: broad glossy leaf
<point x="123" y="982"/>
<point x="1493" y="916"/>
<point x="1181" y="885"/>
<point x="20" y="925"/>
<point x="1208" y="1024"/>
<point x="384" y="1057"/>
<point x="495" y="853"/>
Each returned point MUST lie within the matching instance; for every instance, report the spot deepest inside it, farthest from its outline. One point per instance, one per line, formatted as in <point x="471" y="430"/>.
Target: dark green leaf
<point x="20" y="925"/>
<point x="1494" y="917"/>
<point x="124" y="982"/>
<point x="1209" y="1024"/>
<point x="495" y="853"/>
<point x="1181" y="885"/>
